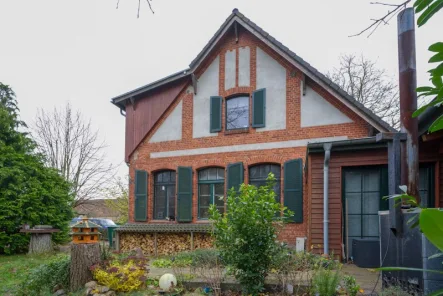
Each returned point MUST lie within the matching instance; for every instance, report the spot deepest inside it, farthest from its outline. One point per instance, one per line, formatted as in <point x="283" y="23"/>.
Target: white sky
<point x="86" y="51"/>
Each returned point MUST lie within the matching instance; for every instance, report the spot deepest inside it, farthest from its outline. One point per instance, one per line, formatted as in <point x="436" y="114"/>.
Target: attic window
<point x="237" y="113"/>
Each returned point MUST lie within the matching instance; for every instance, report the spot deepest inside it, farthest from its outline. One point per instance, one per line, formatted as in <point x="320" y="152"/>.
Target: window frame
<point x="155" y="184"/>
<point x="236" y="96"/>
<point x="211" y="184"/>
<point x="278" y="180"/>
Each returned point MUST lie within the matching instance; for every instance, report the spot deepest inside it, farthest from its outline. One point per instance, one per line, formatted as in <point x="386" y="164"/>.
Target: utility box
<point x="300" y="244"/>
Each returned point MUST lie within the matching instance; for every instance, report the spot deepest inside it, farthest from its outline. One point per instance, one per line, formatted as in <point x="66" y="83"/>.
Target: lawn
<point x="13" y="269"/>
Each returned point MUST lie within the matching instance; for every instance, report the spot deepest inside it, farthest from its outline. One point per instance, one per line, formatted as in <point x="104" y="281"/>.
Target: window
<point x="362" y="200"/>
<point x="259" y="173"/>
<point x="426" y="185"/>
<point x="211" y="190"/>
<point x="237" y="113"/>
<point x="164" y="195"/>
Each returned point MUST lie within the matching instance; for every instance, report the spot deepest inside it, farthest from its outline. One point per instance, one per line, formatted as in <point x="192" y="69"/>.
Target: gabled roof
<point x="290" y="56"/>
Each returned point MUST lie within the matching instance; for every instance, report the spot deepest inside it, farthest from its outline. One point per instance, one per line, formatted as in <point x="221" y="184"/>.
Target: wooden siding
<point x="338" y="160"/>
<point x="429" y="153"/>
<point x="141" y="118"/>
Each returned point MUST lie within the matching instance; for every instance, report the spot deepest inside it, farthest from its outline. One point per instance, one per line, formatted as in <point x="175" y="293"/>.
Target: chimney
<point x="408" y="100"/>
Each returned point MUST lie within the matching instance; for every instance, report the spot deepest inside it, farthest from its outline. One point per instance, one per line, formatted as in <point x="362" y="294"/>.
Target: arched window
<point x="211" y="190"/>
<point x="164" y="195"/>
<point x="237" y="112"/>
<point x="259" y="173"/>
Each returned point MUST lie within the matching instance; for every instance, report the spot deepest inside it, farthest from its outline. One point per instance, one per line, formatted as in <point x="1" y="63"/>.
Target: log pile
<point x="144" y="241"/>
<point x="202" y="241"/>
<point x="164" y="243"/>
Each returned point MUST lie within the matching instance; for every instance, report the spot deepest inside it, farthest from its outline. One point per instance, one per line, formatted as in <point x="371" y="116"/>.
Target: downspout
<point x="327" y="147"/>
<point x="122" y="112"/>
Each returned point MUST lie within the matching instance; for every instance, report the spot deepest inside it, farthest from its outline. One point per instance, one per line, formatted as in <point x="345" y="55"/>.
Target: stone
<point x="110" y="293"/>
<point x="89" y="291"/>
<point x="59" y="292"/>
<point x="56" y="288"/>
<point x="103" y="289"/>
<point x="91" y="284"/>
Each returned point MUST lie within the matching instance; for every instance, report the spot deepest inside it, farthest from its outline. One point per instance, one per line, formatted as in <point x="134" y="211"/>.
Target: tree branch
<point x="385" y="19"/>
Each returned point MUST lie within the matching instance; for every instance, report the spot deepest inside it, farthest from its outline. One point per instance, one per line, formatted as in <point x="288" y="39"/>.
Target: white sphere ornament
<point x="167" y="281"/>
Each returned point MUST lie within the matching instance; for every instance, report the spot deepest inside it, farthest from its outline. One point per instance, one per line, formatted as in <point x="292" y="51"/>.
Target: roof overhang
<point x="120" y="100"/>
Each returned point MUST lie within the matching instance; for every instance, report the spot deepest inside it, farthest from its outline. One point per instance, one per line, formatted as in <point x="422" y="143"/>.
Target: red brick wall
<point x="140" y="159"/>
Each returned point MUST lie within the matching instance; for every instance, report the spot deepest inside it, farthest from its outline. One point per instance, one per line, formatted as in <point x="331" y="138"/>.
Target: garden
<point x="247" y="259"/>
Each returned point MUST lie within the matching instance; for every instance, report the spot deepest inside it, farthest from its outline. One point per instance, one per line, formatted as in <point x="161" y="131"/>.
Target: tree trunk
<point x="40" y="243"/>
<point x="82" y="257"/>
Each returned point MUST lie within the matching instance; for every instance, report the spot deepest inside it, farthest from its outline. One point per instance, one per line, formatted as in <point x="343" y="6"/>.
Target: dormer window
<point x="237" y="113"/>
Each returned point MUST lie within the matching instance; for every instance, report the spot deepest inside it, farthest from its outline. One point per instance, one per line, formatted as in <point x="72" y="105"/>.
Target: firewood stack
<point x="164" y="243"/>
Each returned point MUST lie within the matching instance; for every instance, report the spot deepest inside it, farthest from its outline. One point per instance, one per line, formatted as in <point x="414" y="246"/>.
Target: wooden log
<point x="83" y="256"/>
<point x="40" y="243"/>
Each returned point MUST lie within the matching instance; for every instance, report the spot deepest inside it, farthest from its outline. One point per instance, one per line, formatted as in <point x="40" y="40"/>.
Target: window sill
<point x="162" y="222"/>
<point x="237" y="131"/>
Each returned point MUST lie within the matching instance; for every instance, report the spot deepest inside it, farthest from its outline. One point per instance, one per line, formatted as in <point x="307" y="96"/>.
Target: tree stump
<point x="83" y="256"/>
<point x="41" y="238"/>
<point x="40" y="243"/>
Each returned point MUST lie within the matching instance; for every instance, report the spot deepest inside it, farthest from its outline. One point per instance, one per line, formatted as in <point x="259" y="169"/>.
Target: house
<point x="246" y="106"/>
<point x="97" y="208"/>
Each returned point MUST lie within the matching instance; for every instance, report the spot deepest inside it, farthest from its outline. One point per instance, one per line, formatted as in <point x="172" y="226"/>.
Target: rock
<point x="103" y="289"/>
<point x="89" y="291"/>
<point x="91" y="284"/>
<point x="56" y="288"/>
<point x="59" y="292"/>
<point x="110" y="293"/>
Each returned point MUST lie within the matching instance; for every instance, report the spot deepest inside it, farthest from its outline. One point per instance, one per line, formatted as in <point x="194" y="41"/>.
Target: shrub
<point x="162" y="263"/>
<point x="45" y="277"/>
<point x="351" y="286"/>
<point x="325" y="282"/>
<point x="246" y="235"/>
<point x="394" y="291"/>
<point x="121" y="275"/>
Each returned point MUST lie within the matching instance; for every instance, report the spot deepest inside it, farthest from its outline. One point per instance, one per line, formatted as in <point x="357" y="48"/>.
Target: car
<point x="102" y="222"/>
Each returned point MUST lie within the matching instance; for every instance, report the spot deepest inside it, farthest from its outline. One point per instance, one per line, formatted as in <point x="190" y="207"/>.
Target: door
<point x="363" y="190"/>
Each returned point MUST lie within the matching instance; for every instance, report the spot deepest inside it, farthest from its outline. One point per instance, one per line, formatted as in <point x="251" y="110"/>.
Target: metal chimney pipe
<point x="408" y="98"/>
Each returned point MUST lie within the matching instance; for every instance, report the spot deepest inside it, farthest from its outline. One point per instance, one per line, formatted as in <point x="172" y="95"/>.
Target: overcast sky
<point x="85" y="52"/>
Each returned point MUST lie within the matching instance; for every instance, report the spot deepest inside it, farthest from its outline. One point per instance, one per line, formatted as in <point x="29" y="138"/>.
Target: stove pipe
<point x="408" y="99"/>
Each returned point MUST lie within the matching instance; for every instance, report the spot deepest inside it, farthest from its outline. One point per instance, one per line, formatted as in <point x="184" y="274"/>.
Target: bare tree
<point x="369" y="85"/>
<point x="70" y="145"/>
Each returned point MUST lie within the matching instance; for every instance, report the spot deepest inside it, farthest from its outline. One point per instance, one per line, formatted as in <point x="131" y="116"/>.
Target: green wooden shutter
<point x="259" y="108"/>
<point x="293" y="188"/>
<point x="235" y="175"/>
<point x="141" y="196"/>
<point x="184" y="194"/>
<point x="216" y="114"/>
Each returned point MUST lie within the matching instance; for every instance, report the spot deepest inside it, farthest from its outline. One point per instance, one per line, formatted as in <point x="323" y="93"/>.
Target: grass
<point x="14" y="268"/>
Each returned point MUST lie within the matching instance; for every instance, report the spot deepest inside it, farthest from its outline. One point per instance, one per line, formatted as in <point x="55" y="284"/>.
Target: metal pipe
<point x="327" y="147"/>
<point x="121" y="112"/>
<point x="408" y="98"/>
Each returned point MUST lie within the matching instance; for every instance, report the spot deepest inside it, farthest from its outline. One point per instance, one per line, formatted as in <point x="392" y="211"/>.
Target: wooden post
<point x="117" y="241"/>
<point x="155" y="244"/>
<point x="192" y="241"/>
<point x="41" y="238"/>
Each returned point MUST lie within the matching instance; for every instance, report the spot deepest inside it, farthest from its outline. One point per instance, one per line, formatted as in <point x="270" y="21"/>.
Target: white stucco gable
<point x="171" y="128"/>
<point x="315" y="111"/>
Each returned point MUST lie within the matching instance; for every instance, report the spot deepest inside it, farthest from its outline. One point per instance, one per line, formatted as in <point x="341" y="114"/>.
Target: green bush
<point x="394" y="291"/>
<point x="162" y="263"/>
<point x="45" y="277"/>
<point x="246" y="235"/>
<point x="325" y="282"/>
<point x="30" y="192"/>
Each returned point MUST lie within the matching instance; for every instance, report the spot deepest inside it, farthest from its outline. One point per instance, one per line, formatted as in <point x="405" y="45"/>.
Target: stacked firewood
<point x="145" y="241"/>
<point x="164" y="243"/>
<point x="171" y="243"/>
<point x="202" y="241"/>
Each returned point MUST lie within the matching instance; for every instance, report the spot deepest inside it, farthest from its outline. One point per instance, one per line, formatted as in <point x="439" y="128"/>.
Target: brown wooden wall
<point x="315" y="185"/>
<point x="146" y="112"/>
<point x="429" y="152"/>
